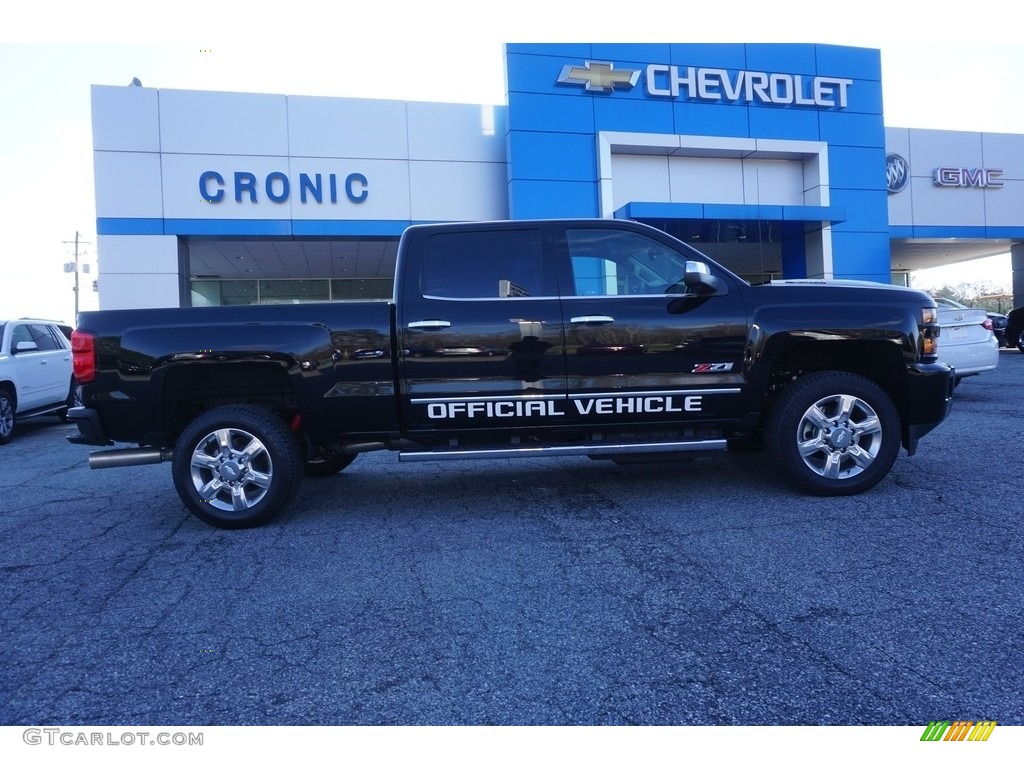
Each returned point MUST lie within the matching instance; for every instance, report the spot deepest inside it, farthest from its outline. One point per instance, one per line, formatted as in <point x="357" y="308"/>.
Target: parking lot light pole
<point x="76" y="268"/>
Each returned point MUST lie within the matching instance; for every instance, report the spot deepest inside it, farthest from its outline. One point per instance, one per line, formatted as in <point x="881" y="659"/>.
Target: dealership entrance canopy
<point x="772" y="159"/>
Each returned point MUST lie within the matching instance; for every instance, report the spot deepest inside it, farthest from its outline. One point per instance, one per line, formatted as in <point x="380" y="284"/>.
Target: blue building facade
<point x="804" y="119"/>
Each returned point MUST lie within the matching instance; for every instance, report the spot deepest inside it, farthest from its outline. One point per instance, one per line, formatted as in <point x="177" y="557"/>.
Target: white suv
<point x="36" y="374"/>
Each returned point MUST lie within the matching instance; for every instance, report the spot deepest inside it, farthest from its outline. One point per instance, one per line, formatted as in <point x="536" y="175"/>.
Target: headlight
<point x="929" y="334"/>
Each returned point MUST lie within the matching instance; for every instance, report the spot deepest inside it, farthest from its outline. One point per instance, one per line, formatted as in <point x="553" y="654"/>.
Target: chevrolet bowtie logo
<point x="599" y="76"/>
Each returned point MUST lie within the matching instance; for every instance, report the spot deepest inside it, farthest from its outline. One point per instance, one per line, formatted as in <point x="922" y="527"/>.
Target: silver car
<point x="966" y="341"/>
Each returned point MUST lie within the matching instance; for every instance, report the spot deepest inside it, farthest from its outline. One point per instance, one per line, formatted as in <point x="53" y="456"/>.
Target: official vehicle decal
<point x="559" y="406"/>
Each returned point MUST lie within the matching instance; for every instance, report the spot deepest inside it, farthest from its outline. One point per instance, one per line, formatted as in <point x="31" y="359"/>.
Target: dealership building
<point x="775" y="160"/>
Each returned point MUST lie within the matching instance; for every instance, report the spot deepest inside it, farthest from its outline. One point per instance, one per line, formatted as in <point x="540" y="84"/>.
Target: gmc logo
<point x="967" y="177"/>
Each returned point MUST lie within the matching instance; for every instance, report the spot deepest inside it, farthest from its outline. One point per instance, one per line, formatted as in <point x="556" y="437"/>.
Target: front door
<point x="653" y="333"/>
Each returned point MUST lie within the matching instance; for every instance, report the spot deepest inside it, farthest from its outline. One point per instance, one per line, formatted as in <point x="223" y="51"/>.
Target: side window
<point x="610" y="263"/>
<point x="20" y="333"/>
<point x="484" y="265"/>
<point x="44" y="337"/>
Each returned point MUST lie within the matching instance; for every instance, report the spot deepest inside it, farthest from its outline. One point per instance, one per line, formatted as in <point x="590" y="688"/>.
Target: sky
<point x="958" y="70"/>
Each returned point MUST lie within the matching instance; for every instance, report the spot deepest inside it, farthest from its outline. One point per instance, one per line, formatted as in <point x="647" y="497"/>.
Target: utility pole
<point x="74" y="267"/>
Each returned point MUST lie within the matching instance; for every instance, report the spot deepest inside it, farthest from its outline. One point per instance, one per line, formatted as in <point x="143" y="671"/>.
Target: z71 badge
<point x="711" y="367"/>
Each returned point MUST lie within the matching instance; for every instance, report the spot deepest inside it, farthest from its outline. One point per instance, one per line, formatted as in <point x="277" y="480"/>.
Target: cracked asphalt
<point x="532" y="592"/>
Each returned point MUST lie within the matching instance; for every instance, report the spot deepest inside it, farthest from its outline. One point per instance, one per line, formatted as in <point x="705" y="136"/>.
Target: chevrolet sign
<point x="711" y="84"/>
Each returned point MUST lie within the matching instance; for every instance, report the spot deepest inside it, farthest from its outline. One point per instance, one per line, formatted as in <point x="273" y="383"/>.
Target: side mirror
<point x="699" y="278"/>
<point x="26" y="346"/>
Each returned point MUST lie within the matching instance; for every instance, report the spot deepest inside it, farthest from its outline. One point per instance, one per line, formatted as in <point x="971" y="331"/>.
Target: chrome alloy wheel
<point x="6" y="416"/>
<point x="231" y="469"/>
<point x="839" y="436"/>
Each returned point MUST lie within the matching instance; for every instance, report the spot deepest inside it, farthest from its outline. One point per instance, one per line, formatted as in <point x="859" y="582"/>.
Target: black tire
<point x="833" y="433"/>
<point x="237" y="466"/>
<point x="327" y="463"/>
<point x="74" y="401"/>
<point x="1018" y="339"/>
<point x="8" y="416"/>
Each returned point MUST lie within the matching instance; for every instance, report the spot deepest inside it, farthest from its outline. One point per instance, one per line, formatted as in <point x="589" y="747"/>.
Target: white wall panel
<point x="387" y="189"/>
<point x="945" y="206"/>
<point x="1004" y="151"/>
<point x="182" y="199"/>
<point x="223" y="123"/>
<point x="640" y="178"/>
<point x="933" y="149"/>
<point x="901" y="207"/>
<point x="133" y="292"/>
<point x="773" y="182"/>
<point x="367" y="128"/>
<point x="1004" y="207"/>
<point x="137" y="271"/>
<point x="127" y="185"/>
<point x="137" y="254"/>
<point x="458" y="191"/>
<point x="464" y="132"/>
<point x="707" y="180"/>
<point x="125" y="119"/>
<point x="901" y="204"/>
<point x="898" y="140"/>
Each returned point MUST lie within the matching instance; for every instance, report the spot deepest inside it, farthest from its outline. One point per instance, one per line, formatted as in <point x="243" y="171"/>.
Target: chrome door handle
<point x="593" y="319"/>
<point x="429" y="325"/>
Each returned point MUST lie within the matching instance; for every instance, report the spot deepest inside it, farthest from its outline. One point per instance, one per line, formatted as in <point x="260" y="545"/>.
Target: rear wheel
<point x="834" y="433"/>
<point x="1018" y="339"/>
<point x="237" y="466"/>
<point x="7" y="417"/>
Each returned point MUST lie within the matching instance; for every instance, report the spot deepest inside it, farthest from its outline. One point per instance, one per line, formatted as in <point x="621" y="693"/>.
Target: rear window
<point x="484" y="265"/>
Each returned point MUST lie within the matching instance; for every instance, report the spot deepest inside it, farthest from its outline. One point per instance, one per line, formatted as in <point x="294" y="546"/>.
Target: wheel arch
<point x="188" y="391"/>
<point x="881" y="362"/>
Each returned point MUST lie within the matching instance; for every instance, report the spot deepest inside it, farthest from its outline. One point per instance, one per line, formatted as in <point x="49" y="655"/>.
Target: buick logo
<point x="897" y="173"/>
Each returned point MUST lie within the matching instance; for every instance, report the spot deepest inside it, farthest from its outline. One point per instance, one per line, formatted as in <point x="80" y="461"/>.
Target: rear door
<point x="480" y="329"/>
<point x="645" y="342"/>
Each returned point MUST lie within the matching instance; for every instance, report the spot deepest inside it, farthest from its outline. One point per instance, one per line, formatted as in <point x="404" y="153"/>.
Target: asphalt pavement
<point x="530" y="592"/>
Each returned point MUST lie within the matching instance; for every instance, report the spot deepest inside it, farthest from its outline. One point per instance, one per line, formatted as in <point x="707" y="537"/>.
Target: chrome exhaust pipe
<point x="128" y="457"/>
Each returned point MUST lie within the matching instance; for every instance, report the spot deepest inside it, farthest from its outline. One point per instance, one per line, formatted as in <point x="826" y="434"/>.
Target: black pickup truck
<point x="602" y="338"/>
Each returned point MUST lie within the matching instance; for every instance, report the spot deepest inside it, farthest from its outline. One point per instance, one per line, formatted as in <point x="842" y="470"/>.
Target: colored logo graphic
<point x="599" y="76"/>
<point x="959" y="730"/>
<point x="897" y="173"/>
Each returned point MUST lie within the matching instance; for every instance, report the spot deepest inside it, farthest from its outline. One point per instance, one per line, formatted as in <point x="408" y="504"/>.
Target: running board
<point x="562" y="450"/>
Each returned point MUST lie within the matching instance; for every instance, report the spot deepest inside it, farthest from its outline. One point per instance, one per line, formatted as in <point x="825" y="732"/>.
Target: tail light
<point x="83" y="351"/>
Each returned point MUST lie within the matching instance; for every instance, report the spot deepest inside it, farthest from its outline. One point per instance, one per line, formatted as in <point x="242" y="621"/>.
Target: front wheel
<point x="237" y="466"/>
<point x="834" y="433"/>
